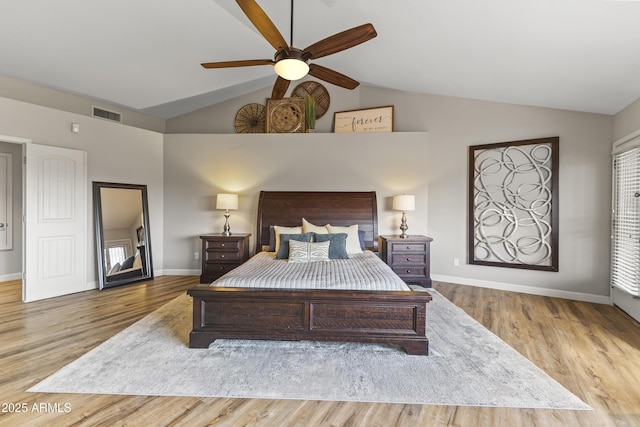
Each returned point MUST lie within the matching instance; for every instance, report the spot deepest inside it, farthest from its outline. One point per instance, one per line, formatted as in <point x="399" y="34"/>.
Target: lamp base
<point x="226" y="229"/>
<point x="404" y="227"/>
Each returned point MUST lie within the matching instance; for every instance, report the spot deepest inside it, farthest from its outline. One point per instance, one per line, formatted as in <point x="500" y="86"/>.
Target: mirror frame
<point x="99" y="233"/>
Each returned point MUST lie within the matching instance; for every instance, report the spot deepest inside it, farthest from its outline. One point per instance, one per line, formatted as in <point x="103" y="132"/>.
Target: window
<point x="116" y="251"/>
<point x="625" y="243"/>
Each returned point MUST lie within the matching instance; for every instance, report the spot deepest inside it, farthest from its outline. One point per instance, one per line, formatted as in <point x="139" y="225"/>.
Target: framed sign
<point x="513" y="204"/>
<point x="379" y="119"/>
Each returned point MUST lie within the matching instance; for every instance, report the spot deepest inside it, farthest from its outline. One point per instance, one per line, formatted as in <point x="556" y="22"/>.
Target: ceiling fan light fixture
<point x="291" y="69"/>
<point x="290" y="64"/>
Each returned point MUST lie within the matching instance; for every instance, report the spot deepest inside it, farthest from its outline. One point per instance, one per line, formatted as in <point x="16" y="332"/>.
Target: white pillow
<point x="114" y="269"/>
<point x="308" y="252"/>
<point x="278" y="229"/>
<point x="307" y="227"/>
<point x="353" y="241"/>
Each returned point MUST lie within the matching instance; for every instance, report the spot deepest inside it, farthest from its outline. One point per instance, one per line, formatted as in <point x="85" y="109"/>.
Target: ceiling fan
<point x="291" y="63"/>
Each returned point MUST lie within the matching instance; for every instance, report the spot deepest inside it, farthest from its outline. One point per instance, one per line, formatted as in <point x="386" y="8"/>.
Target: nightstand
<point x="409" y="258"/>
<point x="221" y="254"/>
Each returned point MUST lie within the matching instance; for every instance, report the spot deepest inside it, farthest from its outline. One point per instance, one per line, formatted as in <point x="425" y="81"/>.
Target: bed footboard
<point x="396" y="317"/>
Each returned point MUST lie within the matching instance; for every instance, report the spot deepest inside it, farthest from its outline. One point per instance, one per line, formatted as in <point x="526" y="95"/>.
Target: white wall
<point x="32" y="93"/>
<point x="627" y="121"/>
<point x="197" y="167"/>
<point x="452" y="125"/>
<point x="585" y="186"/>
<point x="115" y="153"/>
<point x="220" y="118"/>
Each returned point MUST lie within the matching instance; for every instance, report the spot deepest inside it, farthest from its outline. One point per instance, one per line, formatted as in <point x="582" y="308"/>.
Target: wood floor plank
<point x="592" y="350"/>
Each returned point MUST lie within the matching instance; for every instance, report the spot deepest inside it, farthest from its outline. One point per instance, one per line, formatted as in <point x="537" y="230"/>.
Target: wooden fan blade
<point x="280" y="88"/>
<point x="231" y="64"/>
<point x="333" y="77"/>
<point x="341" y="41"/>
<point x="263" y="24"/>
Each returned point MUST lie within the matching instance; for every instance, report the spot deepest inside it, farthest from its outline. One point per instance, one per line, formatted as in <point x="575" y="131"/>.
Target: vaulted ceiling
<point x="145" y="54"/>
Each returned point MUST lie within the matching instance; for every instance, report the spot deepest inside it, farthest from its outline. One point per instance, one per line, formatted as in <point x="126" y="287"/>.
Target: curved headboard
<point x="287" y="208"/>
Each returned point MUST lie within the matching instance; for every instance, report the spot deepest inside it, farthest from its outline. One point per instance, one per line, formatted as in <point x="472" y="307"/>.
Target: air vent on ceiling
<point x="107" y="115"/>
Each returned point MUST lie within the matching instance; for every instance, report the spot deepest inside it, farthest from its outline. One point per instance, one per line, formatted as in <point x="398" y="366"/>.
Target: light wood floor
<point x="593" y="350"/>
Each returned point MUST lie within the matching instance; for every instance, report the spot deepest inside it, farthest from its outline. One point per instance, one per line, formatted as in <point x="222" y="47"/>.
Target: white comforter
<point x="363" y="271"/>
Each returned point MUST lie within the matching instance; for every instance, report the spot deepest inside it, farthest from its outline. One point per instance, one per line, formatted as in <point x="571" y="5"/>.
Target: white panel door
<point x="6" y="202"/>
<point x="56" y="222"/>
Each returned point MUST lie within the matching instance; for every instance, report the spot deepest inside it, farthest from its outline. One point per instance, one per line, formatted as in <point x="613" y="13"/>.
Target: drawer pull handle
<point x="221" y="256"/>
<point x="222" y="244"/>
<point x="408" y="247"/>
<point x="408" y="271"/>
<point x="408" y="259"/>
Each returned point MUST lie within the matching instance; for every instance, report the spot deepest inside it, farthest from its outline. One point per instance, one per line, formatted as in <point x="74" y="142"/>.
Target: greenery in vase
<point x="310" y="111"/>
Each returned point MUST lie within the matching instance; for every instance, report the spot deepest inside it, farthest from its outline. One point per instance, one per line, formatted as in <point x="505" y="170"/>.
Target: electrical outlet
<point x="196" y="256"/>
<point x="456" y="262"/>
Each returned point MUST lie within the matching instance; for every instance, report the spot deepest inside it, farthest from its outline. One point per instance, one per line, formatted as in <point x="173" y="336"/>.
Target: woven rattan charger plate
<point x="251" y="119"/>
<point x="319" y="93"/>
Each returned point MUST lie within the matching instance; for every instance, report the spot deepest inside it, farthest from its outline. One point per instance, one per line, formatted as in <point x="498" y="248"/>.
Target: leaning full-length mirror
<point x="122" y="233"/>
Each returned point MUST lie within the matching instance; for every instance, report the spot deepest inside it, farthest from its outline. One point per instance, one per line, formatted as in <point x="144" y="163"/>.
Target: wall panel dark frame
<point x="513" y="204"/>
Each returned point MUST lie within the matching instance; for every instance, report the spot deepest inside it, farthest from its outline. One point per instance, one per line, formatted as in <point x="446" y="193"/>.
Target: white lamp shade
<point x="404" y="202"/>
<point x="227" y="201"/>
<point x="291" y="69"/>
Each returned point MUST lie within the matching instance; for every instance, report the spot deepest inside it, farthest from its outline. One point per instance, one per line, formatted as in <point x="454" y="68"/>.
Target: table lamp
<point x="404" y="203"/>
<point x="226" y="202"/>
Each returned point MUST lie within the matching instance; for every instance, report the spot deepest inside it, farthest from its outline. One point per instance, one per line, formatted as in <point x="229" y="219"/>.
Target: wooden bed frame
<point x="396" y="317"/>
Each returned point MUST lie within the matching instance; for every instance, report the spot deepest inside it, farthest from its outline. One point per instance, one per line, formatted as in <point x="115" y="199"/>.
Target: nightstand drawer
<point x="409" y="271"/>
<point x="223" y="245"/>
<point x="407" y="258"/>
<point x="223" y="256"/>
<point x="408" y="247"/>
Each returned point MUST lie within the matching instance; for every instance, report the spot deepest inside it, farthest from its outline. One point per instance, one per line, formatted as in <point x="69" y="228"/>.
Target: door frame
<point x="23" y="142"/>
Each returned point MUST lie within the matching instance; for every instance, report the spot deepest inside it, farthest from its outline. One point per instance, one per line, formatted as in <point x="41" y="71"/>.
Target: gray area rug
<point x="467" y="366"/>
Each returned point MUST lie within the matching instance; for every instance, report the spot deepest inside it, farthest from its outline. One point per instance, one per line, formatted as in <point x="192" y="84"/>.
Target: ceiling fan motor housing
<point x="290" y="53"/>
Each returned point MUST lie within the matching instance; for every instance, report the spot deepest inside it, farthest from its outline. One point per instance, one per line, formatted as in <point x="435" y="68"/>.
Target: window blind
<point x="625" y="257"/>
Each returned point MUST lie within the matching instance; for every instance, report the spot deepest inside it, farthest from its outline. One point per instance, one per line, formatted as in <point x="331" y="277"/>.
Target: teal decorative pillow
<point x="337" y="244"/>
<point x="308" y="252"/>
<point x="283" y="250"/>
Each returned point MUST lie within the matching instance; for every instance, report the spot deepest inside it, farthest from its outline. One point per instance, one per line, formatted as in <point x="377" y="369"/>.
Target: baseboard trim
<point x="181" y="272"/>
<point x="576" y="296"/>
<point x="8" y="277"/>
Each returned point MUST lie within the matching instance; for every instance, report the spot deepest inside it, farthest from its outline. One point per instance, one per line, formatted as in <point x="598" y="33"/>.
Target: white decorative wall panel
<point x="513" y="204"/>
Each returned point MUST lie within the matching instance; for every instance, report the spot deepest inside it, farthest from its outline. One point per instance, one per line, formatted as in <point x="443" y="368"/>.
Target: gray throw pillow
<point x="128" y="263"/>
<point x="283" y="250"/>
<point x="337" y="245"/>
